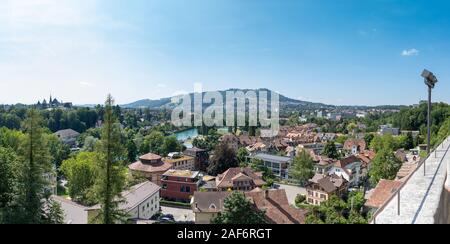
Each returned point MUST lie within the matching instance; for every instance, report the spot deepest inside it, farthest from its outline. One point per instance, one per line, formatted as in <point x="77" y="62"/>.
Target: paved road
<point x="292" y="192"/>
<point x="180" y="214"/>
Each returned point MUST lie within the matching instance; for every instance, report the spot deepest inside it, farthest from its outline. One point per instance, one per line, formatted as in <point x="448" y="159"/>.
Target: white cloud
<point x="85" y="84"/>
<point x="179" y="93"/>
<point x="410" y="52"/>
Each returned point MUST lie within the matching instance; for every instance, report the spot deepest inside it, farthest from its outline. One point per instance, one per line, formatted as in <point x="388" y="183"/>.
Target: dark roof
<point x="329" y="183"/>
<point x="67" y="133"/>
<point x="210" y="202"/>
<point x="272" y="158"/>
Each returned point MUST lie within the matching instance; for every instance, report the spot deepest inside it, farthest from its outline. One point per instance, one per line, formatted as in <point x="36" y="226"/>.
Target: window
<point x="323" y="196"/>
<point x="182" y="189"/>
<point x="188" y="189"/>
<point x="164" y="186"/>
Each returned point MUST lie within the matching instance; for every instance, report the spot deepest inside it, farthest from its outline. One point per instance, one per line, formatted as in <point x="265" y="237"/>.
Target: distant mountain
<point x="147" y="103"/>
<point x="284" y="101"/>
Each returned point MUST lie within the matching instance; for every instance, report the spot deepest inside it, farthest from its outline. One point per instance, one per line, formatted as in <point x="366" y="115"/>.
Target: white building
<point x="348" y="168"/>
<point x="140" y="202"/>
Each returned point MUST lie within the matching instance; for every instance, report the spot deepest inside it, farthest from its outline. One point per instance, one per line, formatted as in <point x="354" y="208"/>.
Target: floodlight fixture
<point x="430" y="78"/>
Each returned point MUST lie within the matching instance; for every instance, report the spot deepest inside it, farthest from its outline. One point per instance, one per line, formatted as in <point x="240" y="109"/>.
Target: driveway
<point x="180" y="214"/>
<point x="292" y="192"/>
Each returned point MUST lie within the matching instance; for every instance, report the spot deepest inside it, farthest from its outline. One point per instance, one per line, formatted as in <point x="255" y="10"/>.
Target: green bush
<point x="174" y="204"/>
<point x="300" y="199"/>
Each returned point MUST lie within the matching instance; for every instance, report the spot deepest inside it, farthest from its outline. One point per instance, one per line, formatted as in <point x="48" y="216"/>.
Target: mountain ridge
<point x="166" y="102"/>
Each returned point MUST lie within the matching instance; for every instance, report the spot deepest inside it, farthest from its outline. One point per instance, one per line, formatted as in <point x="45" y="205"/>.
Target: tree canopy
<point x="239" y="210"/>
<point x="302" y="167"/>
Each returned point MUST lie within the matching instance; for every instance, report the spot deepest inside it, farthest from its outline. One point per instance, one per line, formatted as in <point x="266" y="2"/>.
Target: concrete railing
<point x="423" y="195"/>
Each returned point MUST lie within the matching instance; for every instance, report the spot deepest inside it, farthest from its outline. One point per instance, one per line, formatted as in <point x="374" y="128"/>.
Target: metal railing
<point x="397" y="192"/>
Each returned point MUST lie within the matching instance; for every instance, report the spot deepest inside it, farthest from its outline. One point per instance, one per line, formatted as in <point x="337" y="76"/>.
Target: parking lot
<point x="180" y="214"/>
<point x="292" y="192"/>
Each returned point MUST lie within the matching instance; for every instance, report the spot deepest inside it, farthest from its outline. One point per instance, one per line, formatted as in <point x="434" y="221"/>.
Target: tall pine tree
<point x="112" y="172"/>
<point x="36" y="166"/>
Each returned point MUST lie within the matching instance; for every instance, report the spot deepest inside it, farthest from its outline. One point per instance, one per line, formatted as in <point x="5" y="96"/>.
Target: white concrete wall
<point x="146" y="209"/>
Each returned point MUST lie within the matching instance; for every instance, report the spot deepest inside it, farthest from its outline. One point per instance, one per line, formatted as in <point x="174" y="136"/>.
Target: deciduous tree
<point x="239" y="210"/>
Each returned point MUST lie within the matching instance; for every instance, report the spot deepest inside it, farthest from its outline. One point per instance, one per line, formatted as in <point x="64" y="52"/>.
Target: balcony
<point x="424" y="198"/>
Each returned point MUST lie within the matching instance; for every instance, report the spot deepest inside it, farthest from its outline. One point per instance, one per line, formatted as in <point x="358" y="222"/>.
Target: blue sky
<point x="338" y="52"/>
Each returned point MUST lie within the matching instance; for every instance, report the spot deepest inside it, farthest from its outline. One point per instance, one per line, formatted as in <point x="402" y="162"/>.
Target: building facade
<point x="278" y="164"/>
<point x="180" y="162"/>
<point x="321" y="187"/>
<point x="150" y="166"/>
<point x="179" y="185"/>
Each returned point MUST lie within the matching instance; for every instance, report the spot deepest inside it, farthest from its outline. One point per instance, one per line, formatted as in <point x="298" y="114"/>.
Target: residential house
<point x="68" y="137"/>
<point x="366" y="158"/>
<point x="239" y="179"/>
<point x="349" y="168"/>
<point x="258" y="147"/>
<point x="246" y="140"/>
<point x="279" y="165"/>
<point x="326" y="137"/>
<point x="355" y="146"/>
<point x="388" y="129"/>
<point x="231" y="140"/>
<point x="141" y="202"/>
<point x="384" y="190"/>
<point x="322" y="164"/>
<point x="321" y="187"/>
<point x="150" y="166"/>
<point x="334" y="116"/>
<point x="274" y="203"/>
<point x="180" y="162"/>
<point x="201" y="157"/>
<point x="415" y="134"/>
<point x="179" y="185"/>
<point x="400" y="154"/>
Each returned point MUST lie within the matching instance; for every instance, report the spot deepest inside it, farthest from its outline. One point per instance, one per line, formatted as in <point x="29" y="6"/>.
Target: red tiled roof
<point x="226" y="179"/>
<point x="273" y="202"/>
<point x="150" y="157"/>
<point x="355" y="142"/>
<point x="346" y="161"/>
<point x="382" y="193"/>
<point x="150" y="168"/>
<point x="276" y="206"/>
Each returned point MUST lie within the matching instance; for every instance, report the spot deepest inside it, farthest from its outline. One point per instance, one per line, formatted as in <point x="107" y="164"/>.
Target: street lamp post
<point x="430" y="81"/>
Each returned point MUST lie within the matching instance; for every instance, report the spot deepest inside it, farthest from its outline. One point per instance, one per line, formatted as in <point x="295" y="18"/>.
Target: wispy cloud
<point x="367" y="32"/>
<point x="179" y="93"/>
<point x="410" y="52"/>
<point x="85" y="84"/>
